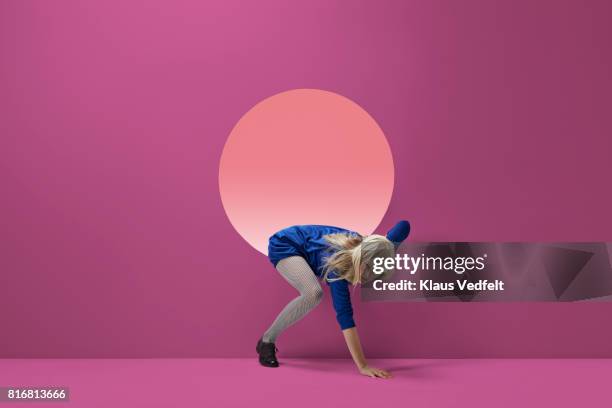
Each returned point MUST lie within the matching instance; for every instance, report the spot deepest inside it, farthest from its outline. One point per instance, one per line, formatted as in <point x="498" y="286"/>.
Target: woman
<point x="304" y="253"/>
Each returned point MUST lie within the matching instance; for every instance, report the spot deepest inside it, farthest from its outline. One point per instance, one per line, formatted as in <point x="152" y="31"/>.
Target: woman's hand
<point x="374" y="372"/>
<point x="354" y="346"/>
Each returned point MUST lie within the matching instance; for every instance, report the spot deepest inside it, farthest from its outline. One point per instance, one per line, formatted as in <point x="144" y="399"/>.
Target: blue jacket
<point x="308" y="242"/>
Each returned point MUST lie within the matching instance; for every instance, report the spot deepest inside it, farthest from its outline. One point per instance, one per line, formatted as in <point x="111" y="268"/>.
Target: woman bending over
<point x="303" y="254"/>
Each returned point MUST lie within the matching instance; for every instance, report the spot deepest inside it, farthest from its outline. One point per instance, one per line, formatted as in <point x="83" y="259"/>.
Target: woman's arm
<point x="399" y="233"/>
<point x="354" y="345"/>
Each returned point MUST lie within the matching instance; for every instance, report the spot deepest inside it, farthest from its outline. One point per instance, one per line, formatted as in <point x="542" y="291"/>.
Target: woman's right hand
<point x="374" y="372"/>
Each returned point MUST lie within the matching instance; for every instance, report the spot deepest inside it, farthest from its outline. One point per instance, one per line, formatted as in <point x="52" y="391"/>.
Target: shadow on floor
<point x="413" y="369"/>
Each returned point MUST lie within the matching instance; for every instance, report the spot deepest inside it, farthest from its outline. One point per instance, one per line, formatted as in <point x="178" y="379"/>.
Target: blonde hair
<point x="354" y="256"/>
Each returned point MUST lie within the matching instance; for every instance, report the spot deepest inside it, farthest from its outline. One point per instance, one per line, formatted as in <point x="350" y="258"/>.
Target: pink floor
<point x="317" y="383"/>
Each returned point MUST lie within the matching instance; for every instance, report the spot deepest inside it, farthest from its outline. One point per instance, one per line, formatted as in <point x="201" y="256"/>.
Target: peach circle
<point x="305" y="156"/>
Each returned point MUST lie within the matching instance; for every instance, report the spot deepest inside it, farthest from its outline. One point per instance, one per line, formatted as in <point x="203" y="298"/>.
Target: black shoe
<point x="267" y="354"/>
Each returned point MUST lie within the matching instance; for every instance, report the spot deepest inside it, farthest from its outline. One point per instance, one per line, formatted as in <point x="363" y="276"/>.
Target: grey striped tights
<point x="299" y="275"/>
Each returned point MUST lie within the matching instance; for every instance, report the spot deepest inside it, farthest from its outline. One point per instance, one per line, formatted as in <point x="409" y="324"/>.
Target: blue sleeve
<point x="341" y="299"/>
<point x="399" y="233"/>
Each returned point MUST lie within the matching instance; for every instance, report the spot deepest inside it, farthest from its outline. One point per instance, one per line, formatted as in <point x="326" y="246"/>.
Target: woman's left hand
<point x="374" y="372"/>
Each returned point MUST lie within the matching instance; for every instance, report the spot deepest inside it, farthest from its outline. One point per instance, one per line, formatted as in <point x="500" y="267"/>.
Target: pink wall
<point x="112" y="120"/>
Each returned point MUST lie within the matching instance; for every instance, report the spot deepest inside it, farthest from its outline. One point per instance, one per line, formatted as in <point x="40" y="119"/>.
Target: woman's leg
<point x="299" y="275"/>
